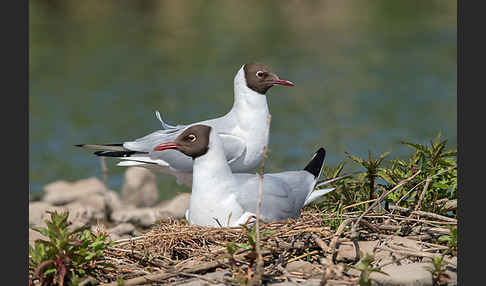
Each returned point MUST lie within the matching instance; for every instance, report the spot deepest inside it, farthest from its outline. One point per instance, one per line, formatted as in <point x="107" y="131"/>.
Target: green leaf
<point x="96" y="244"/>
<point x="383" y="156"/>
<point x="444" y="238"/>
<point x="338" y="170"/>
<point x="243" y="245"/>
<point x="44" y="231"/>
<point x="441" y="186"/>
<point x="267" y="232"/>
<point x="355" y="158"/>
<point x="386" y="177"/>
<point x="415" y="146"/>
<point x="449" y="153"/>
<point x="49" y="271"/>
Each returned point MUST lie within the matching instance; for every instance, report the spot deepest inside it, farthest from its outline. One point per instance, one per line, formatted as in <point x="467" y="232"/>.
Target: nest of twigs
<point x="172" y="251"/>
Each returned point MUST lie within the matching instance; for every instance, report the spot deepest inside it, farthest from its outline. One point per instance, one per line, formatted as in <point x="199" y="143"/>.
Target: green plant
<point x="438" y="270"/>
<point x="366" y="269"/>
<point x="348" y="189"/>
<point x="232" y="247"/>
<point x="334" y="223"/>
<point x="437" y="165"/>
<point x="372" y="167"/>
<point x="451" y="240"/>
<point x="66" y="255"/>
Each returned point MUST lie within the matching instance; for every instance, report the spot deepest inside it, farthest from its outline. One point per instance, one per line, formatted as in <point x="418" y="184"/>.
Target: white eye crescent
<point x="259" y="74"/>
<point x="191" y="137"/>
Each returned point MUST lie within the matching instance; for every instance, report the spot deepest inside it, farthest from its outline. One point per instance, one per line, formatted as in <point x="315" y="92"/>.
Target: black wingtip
<point x="79" y="145"/>
<point x="315" y="165"/>
<point x="116" y="153"/>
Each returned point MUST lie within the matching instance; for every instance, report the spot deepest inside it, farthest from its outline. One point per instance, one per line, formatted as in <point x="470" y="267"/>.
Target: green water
<point x="368" y="74"/>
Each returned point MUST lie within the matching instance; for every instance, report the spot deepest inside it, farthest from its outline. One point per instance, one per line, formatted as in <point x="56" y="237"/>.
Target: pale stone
<point x="347" y="252"/>
<point x="414" y="274"/>
<point x="140" y="187"/>
<point x="308" y="282"/>
<point x="144" y="217"/>
<point x="176" y="207"/>
<point x="302" y="267"/>
<point x="96" y="202"/>
<point x="37" y="211"/>
<point x="214" y="276"/>
<point x="34" y="235"/>
<point x="112" y="202"/>
<point x="79" y="215"/>
<point x="62" y="192"/>
<point x="122" y="229"/>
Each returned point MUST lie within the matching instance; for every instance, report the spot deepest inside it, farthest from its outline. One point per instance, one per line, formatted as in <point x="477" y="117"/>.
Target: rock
<point x="79" y="215"/>
<point x="217" y="276"/>
<point x="37" y="211"/>
<point x="176" y="207"/>
<point x="122" y="229"/>
<point x="62" y="192"/>
<point x="140" y="187"/>
<point x="347" y="251"/>
<point x="308" y="282"/>
<point x="414" y="274"/>
<point x="96" y="202"/>
<point x="112" y="202"/>
<point x="405" y="242"/>
<point x="302" y="267"/>
<point x="34" y="235"/>
<point x="452" y="276"/>
<point x="144" y="217"/>
<point x="450" y="205"/>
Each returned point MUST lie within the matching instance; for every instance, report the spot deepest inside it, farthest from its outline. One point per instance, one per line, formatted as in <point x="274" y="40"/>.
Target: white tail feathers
<point x="314" y="195"/>
<point x="142" y="160"/>
<point x="164" y="125"/>
<point x="325" y="182"/>
<point x="130" y="163"/>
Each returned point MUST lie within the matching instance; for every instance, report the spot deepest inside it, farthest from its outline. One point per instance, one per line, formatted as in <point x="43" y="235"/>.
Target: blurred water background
<point x="368" y="74"/>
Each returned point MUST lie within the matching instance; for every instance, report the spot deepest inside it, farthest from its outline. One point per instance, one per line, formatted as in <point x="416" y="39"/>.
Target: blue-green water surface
<point x="368" y="74"/>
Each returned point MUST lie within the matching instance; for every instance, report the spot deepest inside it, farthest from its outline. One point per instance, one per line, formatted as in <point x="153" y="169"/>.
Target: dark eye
<point x="191" y="137"/>
<point x="260" y="74"/>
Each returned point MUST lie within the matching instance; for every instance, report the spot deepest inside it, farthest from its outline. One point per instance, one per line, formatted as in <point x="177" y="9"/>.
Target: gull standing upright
<point x="243" y="131"/>
<point x="220" y="197"/>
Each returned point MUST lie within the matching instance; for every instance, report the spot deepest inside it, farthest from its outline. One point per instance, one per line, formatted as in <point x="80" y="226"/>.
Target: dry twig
<point x="378" y="200"/>
<point x="257" y="278"/>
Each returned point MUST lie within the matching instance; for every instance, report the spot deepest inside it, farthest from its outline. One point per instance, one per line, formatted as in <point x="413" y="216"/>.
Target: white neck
<point x="211" y="170"/>
<point x="246" y="99"/>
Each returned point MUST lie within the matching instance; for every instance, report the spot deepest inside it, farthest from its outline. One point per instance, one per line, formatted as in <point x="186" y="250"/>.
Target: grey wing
<point x="277" y="201"/>
<point x="301" y="183"/>
<point x="172" y="158"/>
<point x="234" y="146"/>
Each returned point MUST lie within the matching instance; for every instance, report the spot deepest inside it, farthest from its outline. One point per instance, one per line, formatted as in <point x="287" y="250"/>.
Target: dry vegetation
<point x="173" y="251"/>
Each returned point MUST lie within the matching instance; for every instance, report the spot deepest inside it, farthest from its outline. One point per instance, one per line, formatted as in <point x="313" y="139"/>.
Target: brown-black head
<point x="193" y="142"/>
<point x="260" y="78"/>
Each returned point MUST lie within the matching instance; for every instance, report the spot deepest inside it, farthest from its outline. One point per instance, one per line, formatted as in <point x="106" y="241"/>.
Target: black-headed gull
<point x="243" y="131"/>
<point x="220" y="197"/>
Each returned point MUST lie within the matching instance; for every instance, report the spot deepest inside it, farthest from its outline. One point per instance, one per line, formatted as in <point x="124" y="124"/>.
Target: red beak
<point x="165" y="146"/>
<point x="283" y="82"/>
